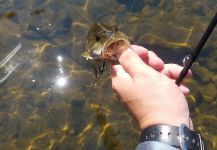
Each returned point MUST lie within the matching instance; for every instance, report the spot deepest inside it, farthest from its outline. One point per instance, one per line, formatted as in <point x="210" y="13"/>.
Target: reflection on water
<point x="52" y="100"/>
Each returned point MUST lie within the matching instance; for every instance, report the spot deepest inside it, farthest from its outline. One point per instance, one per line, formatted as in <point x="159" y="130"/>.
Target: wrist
<point x="172" y="120"/>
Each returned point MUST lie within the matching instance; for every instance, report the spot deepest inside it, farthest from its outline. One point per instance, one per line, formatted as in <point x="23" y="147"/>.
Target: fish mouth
<point x="113" y="46"/>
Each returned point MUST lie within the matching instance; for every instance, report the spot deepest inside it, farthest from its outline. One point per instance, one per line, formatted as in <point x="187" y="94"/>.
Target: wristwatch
<point x="179" y="137"/>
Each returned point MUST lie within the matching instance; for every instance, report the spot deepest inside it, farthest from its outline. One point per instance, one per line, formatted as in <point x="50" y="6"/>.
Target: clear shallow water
<point x="52" y="100"/>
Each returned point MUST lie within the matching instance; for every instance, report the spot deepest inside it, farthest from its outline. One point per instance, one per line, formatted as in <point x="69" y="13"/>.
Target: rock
<point x="201" y="73"/>
<point x="209" y="92"/>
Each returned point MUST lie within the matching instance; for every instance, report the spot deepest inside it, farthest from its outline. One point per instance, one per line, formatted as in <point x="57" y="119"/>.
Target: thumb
<point x="132" y="63"/>
<point x="120" y="78"/>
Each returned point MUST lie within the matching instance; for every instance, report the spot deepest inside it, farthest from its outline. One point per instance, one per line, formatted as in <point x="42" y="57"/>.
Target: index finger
<point x="148" y="57"/>
<point x="141" y="51"/>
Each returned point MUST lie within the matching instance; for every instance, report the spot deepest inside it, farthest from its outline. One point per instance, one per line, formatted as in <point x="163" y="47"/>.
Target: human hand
<point x="146" y="86"/>
<point x="170" y="70"/>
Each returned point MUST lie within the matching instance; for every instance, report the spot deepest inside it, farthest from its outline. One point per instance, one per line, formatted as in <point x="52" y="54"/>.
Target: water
<point x="52" y="100"/>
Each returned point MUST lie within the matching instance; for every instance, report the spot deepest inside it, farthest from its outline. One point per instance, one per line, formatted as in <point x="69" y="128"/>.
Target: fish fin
<point x="86" y="55"/>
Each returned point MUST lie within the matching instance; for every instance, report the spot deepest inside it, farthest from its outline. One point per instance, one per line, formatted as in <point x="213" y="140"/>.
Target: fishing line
<point x="123" y="15"/>
<point x="131" y="7"/>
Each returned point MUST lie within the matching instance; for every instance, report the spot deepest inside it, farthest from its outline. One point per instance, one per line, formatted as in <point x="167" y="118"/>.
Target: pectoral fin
<point x="86" y="55"/>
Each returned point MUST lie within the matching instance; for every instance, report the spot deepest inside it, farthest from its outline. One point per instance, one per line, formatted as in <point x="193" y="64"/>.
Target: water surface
<point x="52" y="100"/>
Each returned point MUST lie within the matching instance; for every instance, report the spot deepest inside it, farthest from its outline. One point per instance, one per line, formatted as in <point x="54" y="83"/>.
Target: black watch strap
<point x="180" y="137"/>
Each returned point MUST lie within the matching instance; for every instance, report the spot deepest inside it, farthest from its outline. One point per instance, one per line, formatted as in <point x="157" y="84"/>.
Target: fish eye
<point x="98" y="37"/>
<point x="115" y="28"/>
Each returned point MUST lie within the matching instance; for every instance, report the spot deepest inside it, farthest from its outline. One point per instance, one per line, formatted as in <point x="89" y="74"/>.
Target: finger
<point x="184" y="90"/>
<point x="117" y="70"/>
<point x="121" y="80"/>
<point x="154" y="61"/>
<point x="141" y="51"/>
<point x="132" y="63"/>
<point x="149" y="57"/>
<point x="173" y="71"/>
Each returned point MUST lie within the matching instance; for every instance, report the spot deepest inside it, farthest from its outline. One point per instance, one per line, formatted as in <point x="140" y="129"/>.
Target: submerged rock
<point x="209" y="92"/>
<point x="201" y="73"/>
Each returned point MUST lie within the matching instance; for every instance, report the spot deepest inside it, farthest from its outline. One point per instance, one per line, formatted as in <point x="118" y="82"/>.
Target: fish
<point x="102" y="44"/>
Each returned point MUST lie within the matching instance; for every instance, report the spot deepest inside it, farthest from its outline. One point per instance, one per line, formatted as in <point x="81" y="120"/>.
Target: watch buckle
<point x="181" y="134"/>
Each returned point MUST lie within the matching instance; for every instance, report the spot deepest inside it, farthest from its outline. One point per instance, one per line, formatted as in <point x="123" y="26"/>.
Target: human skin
<point x="147" y="88"/>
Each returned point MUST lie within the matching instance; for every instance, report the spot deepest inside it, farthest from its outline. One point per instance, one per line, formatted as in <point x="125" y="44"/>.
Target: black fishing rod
<point x="189" y="60"/>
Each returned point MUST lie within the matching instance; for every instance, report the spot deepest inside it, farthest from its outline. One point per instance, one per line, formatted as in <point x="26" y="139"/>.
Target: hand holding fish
<point x="147" y="87"/>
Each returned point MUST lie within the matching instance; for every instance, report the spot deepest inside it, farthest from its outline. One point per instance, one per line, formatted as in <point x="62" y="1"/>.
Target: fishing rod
<point x="189" y="59"/>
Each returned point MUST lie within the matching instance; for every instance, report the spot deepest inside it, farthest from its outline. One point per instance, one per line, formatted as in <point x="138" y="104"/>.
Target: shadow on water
<point x="52" y="100"/>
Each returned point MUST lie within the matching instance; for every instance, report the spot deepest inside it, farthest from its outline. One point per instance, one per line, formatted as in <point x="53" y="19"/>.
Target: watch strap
<point x="180" y="137"/>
